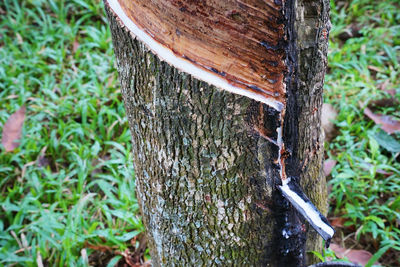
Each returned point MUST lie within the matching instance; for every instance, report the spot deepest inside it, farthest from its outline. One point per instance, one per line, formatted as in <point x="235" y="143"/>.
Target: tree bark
<point x="206" y="174"/>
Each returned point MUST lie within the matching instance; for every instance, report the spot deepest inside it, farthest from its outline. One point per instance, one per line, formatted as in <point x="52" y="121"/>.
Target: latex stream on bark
<point x="292" y="192"/>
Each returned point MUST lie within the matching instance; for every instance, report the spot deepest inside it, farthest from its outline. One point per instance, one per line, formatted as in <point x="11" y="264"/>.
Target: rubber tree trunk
<point x="206" y="174"/>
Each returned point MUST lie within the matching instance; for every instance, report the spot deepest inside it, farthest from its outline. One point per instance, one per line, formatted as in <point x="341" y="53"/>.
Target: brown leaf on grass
<point x="391" y="92"/>
<point x="374" y="68"/>
<point x="19" y="38"/>
<point x="384" y="102"/>
<point x="357" y="256"/>
<point x="388" y="123"/>
<point x="339" y="251"/>
<point x="12" y="96"/>
<point x="328" y="166"/>
<point x="12" y="130"/>
<point x="328" y="115"/>
<point x="337" y="221"/>
<point x="75" y="46"/>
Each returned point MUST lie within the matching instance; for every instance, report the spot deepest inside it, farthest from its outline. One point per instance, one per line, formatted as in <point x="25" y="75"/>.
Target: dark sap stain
<point x="278" y="46"/>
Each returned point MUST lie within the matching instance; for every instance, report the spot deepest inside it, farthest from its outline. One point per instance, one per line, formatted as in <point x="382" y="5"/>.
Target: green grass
<point x="71" y="180"/>
<point x="70" y="183"/>
<point x="368" y="200"/>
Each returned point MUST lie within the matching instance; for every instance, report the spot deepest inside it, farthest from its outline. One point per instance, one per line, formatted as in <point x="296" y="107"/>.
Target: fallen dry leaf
<point x="337" y="221"/>
<point x="328" y="166"/>
<point x="12" y="96"/>
<point x="389" y="124"/>
<point x="12" y="130"/>
<point x="373" y="68"/>
<point x="357" y="256"/>
<point x="384" y="102"/>
<point x="19" y="38"/>
<point x="75" y="46"/>
<point x="391" y="92"/>
<point x="328" y="115"/>
<point x="339" y="251"/>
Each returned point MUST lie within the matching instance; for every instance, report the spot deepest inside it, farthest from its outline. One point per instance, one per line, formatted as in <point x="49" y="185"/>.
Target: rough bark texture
<point x="206" y="178"/>
<point x="311" y="27"/>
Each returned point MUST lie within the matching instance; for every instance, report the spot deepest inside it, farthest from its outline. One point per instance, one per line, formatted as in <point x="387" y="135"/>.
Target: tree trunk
<point x="207" y="161"/>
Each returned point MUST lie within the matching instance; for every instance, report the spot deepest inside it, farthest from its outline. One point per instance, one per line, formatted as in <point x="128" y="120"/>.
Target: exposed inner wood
<point x="238" y="40"/>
